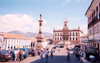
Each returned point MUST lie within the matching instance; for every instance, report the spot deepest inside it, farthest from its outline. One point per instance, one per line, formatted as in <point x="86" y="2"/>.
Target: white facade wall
<point x="96" y="32"/>
<point x="58" y="35"/>
<point x="71" y="36"/>
<point x="1" y="41"/>
<point x="11" y="43"/>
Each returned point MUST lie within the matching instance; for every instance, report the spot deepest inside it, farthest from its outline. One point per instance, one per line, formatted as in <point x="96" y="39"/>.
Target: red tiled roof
<point x="57" y="31"/>
<point x="10" y="35"/>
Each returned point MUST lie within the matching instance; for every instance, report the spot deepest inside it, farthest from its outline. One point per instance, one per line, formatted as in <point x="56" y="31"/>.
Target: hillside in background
<point x="29" y="34"/>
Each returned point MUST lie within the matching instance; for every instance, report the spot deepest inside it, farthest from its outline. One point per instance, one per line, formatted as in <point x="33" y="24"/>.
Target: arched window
<point x="58" y="34"/>
<point x="63" y="38"/>
<point x="58" y="38"/>
<point x="70" y="38"/>
<point x="76" y="38"/>
<point x="76" y="33"/>
<point x="73" y="38"/>
<point x="55" y="38"/>
<point x="73" y="33"/>
<point x="70" y="34"/>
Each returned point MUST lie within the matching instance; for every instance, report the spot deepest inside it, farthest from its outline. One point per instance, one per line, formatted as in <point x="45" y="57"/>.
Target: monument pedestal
<point x="38" y="46"/>
<point x="40" y="37"/>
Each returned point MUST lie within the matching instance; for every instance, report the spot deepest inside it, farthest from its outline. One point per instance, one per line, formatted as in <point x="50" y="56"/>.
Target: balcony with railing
<point x="94" y="20"/>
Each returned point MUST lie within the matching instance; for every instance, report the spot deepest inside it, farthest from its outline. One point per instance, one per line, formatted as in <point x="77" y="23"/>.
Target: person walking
<point x="41" y="56"/>
<point x="46" y="55"/>
<point x="51" y="53"/>
<point x="15" y="54"/>
<point x="20" y="54"/>
<point x="68" y="56"/>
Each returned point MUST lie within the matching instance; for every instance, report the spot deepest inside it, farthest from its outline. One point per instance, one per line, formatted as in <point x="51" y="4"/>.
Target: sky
<point x="23" y="15"/>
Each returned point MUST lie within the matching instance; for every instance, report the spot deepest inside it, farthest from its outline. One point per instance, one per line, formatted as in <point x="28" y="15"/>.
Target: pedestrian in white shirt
<point x="41" y="56"/>
<point x="46" y="55"/>
<point x="15" y="54"/>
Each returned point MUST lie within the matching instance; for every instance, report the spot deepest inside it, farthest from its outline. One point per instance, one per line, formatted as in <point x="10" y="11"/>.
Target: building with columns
<point x="1" y="40"/>
<point x="93" y="14"/>
<point x="67" y="35"/>
<point x="12" y="41"/>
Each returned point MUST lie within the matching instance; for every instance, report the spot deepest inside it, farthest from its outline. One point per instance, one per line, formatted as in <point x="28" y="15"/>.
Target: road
<point x="58" y="57"/>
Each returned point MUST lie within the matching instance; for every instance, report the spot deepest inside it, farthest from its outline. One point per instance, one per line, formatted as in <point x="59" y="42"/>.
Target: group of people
<point x="18" y="54"/>
<point x="45" y="53"/>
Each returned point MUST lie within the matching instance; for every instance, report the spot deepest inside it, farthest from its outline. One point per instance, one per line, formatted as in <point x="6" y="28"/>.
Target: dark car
<point x="31" y="52"/>
<point x="54" y="47"/>
<point x="11" y="52"/>
<point x="5" y="56"/>
<point x="61" y="46"/>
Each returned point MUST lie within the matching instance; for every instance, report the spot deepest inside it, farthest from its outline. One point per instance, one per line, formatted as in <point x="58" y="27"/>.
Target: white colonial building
<point x="1" y="41"/>
<point x="93" y="14"/>
<point x="67" y="35"/>
<point x="12" y="41"/>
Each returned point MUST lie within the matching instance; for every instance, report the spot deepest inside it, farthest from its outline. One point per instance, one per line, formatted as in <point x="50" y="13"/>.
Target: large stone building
<point x="1" y="40"/>
<point x="11" y="41"/>
<point x="93" y="14"/>
<point x="66" y="35"/>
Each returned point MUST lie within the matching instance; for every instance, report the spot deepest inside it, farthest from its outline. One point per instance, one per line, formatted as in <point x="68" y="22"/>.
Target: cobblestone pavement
<point x="59" y="57"/>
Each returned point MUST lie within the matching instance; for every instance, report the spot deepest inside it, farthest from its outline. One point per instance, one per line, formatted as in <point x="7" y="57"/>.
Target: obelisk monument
<point x="40" y="37"/>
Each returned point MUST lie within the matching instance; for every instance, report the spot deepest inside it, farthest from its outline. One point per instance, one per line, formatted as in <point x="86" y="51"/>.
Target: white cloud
<point x="24" y="23"/>
<point x="19" y="22"/>
<point x="74" y="19"/>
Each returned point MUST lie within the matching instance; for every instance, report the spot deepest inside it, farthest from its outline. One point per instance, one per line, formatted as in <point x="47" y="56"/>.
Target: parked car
<point x="61" y="46"/>
<point x="31" y="51"/>
<point x="5" y="56"/>
<point x="54" y="47"/>
<point x="11" y="52"/>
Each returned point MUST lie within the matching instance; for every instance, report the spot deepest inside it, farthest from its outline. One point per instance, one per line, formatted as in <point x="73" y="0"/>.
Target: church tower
<point x="65" y="25"/>
<point x="65" y="31"/>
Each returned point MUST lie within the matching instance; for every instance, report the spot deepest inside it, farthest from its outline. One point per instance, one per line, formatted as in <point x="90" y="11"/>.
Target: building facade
<point x="93" y="14"/>
<point x="66" y="35"/>
<point x="1" y="41"/>
<point x="12" y="41"/>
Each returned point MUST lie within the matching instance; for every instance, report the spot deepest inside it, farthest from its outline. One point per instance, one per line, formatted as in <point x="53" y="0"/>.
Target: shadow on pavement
<point x="59" y="59"/>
